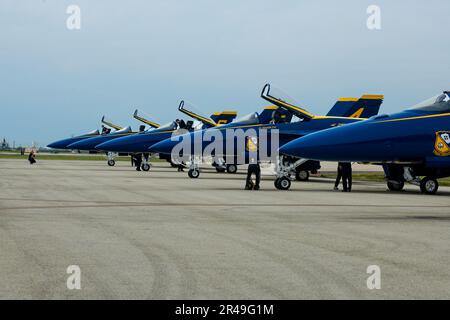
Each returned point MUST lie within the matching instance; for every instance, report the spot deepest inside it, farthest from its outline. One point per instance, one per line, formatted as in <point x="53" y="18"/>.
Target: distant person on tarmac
<point x="347" y="176"/>
<point x="138" y="161"/>
<point x="32" y="157"/>
<point x="339" y="176"/>
<point x="253" y="169"/>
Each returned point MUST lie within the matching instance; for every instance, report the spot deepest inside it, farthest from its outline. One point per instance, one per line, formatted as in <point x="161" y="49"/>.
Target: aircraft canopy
<point x="251" y="118"/>
<point x="439" y="103"/>
<point x="124" y="130"/>
<point x="167" y="127"/>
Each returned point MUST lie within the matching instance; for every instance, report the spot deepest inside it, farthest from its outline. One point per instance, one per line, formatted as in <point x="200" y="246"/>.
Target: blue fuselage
<point x="408" y="136"/>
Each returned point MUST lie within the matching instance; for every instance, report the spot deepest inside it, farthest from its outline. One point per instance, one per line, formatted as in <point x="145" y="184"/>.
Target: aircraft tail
<point x="365" y="107"/>
<point x="342" y="107"/>
<point x="223" y="117"/>
<point x="142" y="119"/>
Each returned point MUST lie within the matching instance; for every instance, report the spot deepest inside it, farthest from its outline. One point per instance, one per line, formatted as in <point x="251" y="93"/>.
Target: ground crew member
<point x="253" y="169"/>
<point x="347" y="176"/>
<point x="138" y="161"/>
<point x="339" y="176"/>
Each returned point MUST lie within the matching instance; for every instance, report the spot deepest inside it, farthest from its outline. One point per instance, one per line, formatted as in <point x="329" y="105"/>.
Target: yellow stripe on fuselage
<point x="417" y="117"/>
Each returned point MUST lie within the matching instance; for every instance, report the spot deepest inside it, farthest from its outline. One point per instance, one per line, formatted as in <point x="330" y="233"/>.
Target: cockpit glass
<point x="251" y="118"/>
<point x="123" y="130"/>
<point x="166" y="127"/>
<point x="272" y="92"/>
<point x="438" y="103"/>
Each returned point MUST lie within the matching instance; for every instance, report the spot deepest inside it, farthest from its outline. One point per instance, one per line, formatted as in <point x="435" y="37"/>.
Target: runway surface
<point x="161" y="235"/>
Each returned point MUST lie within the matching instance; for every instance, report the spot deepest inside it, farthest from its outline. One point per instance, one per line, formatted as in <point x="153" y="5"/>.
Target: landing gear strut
<point x="111" y="156"/>
<point x="194" y="171"/>
<point x="284" y="173"/>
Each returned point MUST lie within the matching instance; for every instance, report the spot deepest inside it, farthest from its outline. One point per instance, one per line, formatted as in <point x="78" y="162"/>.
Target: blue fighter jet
<point x="410" y="144"/>
<point x="62" y="144"/>
<point x="346" y="110"/>
<point x="90" y="143"/>
<point x="140" y="143"/>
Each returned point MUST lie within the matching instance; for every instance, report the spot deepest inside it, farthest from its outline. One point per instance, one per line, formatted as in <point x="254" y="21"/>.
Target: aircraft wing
<point x="283" y="102"/>
<point x="207" y="122"/>
<point x="142" y="119"/>
<point x="110" y="124"/>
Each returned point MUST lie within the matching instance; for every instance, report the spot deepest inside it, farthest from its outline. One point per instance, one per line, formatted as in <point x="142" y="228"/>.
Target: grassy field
<point x="83" y="157"/>
<point x="378" y="177"/>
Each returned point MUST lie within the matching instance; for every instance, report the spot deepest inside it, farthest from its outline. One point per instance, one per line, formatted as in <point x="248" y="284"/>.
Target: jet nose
<point x="300" y="148"/>
<point x="55" y="145"/>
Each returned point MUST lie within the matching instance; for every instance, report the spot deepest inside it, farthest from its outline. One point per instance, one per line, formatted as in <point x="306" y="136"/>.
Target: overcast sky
<point x="150" y="54"/>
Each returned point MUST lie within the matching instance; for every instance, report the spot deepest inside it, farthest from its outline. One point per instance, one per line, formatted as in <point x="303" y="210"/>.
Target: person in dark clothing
<point x="253" y="169"/>
<point x="339" y="176"/>
<point x="32" y="157"/>
<point x="347" y="176"/>
<point x="138" y="161"/>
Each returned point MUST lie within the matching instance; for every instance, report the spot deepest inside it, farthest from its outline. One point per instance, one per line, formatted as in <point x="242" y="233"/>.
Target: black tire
<point x="193" y="173"/>
<point x="302" y="175"/>
<point x="145" y="167"/>
<point x="395" y="185"/>
<point x="231" y="168"/>
<point x="220" y="169"/>
<point x="282" y="183"/>
<point x="429" y="185"/>
<point x="111" y="163"/>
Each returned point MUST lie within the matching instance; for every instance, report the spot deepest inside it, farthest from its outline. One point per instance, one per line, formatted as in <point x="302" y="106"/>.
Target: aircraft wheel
<point x="145" y="166"/>
<point x="219" y="169"/>
<point x="111" y="163"/>
<point x="302" y="175"/>
<point x="193" y="173"/>
<point x="282" y="183"/>
<point x="429" y="185"/>
<point x="395" y="186"/>
<point x="231" y="168"/>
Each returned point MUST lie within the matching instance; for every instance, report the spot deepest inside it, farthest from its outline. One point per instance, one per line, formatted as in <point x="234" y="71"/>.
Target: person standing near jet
<point x="138" y="161"/>
<point x="253" y="169"/>
<point x="339" y="176"/>
<point x="347" y="176"/>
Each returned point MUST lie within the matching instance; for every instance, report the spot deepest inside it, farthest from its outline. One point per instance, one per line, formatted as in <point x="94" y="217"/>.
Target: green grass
<point x="377" y="177"/>
<point x="70" y="157"/>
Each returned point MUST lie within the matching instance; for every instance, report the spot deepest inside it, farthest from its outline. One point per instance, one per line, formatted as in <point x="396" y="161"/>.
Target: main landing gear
<point x="396" y="178"/>
<point x="221" y="166"/>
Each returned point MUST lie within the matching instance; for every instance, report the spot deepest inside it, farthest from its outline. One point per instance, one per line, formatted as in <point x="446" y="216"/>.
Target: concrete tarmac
<point x="161" y="235"/>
